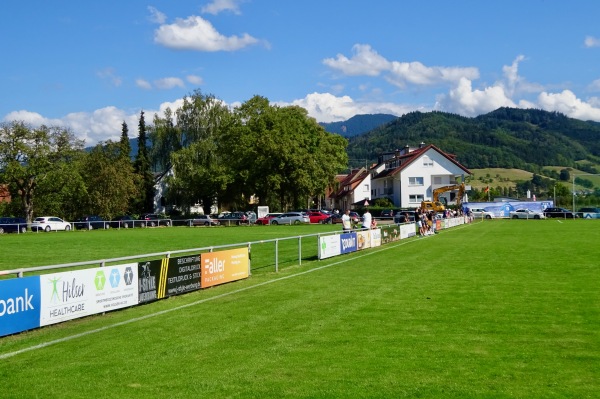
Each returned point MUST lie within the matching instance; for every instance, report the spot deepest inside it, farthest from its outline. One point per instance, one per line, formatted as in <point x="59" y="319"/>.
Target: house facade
<point x="408" y="176"/>
<point x="353" y="188"/>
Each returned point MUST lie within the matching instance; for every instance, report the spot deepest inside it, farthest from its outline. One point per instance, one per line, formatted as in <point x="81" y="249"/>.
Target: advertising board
<point x="19" y="304"/>
<point x="224" y="266"/>
<point x="79" y="293"/>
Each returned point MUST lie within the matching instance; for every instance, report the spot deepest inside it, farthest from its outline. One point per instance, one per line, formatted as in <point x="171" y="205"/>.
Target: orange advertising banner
<point x="224" y="266"/>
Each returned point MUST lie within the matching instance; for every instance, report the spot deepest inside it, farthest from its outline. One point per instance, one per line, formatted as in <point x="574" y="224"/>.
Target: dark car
<point x="12" y="225"/>
<point x="404" y="217"/>
<point x="124" y="221"/>
<point x="204" y="220"/>
<point x="154" y="219"/>
<point x="559" y="213"/>
<point x="337" y="218"/>
<point x="387" y="214"/>
<point x="236" y="218"/>
<point x="91" y="222"/>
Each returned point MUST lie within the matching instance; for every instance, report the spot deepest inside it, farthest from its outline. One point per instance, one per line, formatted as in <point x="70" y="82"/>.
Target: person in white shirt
<point x="346" y="221"/>
<point x="367" y="220"/>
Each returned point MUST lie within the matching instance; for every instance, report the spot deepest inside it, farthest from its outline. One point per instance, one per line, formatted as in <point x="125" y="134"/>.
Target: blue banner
<point x="19" y="304"/>
<point x="348" y="243"/>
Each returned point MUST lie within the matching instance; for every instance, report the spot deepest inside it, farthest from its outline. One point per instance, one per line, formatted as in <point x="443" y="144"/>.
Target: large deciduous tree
<point x="36" y="163"/>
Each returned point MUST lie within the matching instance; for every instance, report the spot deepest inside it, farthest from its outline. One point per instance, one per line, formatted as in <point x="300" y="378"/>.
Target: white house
<point x="410" y="175"/>
<point x="353" y="188"/>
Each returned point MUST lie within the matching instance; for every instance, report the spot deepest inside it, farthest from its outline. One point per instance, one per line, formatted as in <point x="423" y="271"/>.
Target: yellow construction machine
<point x="436" y="205"/>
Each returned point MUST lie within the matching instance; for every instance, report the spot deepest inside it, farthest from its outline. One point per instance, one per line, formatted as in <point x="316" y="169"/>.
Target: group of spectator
<point x="367" y="221"/>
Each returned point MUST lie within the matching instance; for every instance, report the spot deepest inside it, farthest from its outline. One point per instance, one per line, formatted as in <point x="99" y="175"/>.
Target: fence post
<point x="276" y="255"/>
<point x="249" y="259"/>
<point x="300" y="251"/>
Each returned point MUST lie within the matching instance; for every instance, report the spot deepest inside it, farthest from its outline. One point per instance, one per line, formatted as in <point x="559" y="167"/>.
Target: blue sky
<point x="89" y="66"/>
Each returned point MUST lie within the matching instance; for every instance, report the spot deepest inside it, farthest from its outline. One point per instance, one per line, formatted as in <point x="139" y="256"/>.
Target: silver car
<point x="480" y="213"/>
<point x="526" y="214"/>
<point x="291" y="218"/>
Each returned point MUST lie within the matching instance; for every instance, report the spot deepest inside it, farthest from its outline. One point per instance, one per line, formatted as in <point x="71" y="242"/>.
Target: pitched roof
<point x="409" y="158"/>
<point x="352" y="180"/>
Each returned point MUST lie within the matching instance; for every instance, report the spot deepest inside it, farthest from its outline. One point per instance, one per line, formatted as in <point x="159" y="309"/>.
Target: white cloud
<point x="594" y="86"/>
<point x="591" y="41"/>
<point x="367" y="62"/>
<point x="463" y="100"/>
<point x="326" y="107"/>
<point x="143" y="84"/>
<point x="194" y="79"/>
<point x="156" y="16"/>
<point x="567" y="103"/>
<point x="196" y="33"/>
<point x="217" y="6"/>
<point x="109" y="74"/>
<point x="168" y="83"/>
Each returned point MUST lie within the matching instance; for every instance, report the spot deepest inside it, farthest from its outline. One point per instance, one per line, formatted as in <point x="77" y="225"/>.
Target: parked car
<point x="12" y="225"/>
<point x="481" y="213"/>
<point x="387" y="214"/>
<point x="559" y="213"/>
<point x="124" y="221"/>
<point x="90" y="222"/>
<point x="267" y="218"/>
<point x="50" y="223"/>
<point x="290" y="218"/>
<point x="317" y="216"/>
<point x="589" y="213"/>
<point x="236" y="218"/>
<point x="205" y="220"/>
<point x="154" y="219"/>
<point x="336" y="218"/>
<point x="526" y="214"/>
<point x="404" y="217"/>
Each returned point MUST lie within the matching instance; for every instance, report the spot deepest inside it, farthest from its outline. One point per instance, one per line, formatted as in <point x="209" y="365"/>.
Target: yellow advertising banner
<point x="224" y="266"/>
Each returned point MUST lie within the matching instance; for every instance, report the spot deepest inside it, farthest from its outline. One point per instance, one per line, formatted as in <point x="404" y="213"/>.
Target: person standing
<point x="346" y="221"/>
<point x="367" y="220"/>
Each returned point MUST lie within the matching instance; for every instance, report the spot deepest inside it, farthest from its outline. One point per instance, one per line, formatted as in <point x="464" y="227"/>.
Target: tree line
<point x="277" y="156"/>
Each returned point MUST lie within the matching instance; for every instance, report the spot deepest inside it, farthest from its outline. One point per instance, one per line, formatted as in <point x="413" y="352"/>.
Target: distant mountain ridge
<point x="504" y="138"/>
<point x="358" y="124"/>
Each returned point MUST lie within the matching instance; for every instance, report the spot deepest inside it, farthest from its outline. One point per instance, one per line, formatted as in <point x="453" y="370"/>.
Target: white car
<point x="480" y="213"/>
<point x="526" y="214"/>
<point x="50" y="223"/>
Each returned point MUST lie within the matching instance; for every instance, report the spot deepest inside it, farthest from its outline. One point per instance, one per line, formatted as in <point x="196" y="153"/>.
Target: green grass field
<point x="497" y="309"/>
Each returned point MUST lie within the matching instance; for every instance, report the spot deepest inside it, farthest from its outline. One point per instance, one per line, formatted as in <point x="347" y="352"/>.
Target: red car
<point x="265" y="220"/>
<point x="317" y="217"/>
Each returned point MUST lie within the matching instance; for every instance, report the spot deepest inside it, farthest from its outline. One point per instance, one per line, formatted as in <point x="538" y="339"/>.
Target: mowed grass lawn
<point x="497" y="309"/>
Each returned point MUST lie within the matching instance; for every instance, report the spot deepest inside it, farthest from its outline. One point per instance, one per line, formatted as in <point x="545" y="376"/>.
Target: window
<point x="427" y="162"/>
<point x="366" y="190"/>
<point x="415" y="198"/>
<point x="415" y="181"/>
<point x="437" y="180"/>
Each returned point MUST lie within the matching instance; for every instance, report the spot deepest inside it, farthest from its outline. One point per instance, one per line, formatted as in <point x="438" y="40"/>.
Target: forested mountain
<point x="358" y="124"/>
<point x="505" y="138"/>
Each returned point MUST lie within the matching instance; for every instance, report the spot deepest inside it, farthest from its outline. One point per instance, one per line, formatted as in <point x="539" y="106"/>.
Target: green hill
<point x="509" y="138"/>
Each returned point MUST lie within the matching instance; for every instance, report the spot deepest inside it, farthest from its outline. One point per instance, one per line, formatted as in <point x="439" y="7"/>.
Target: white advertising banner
<point x="70" y="295"/>
<point x="329" y="246"/>
<point x="375" y="237"/>
<point x="407" y="230"/>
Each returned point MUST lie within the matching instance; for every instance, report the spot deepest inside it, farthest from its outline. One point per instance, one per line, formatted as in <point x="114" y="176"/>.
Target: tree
<point x="565" y="175"/>
<point x="32" y="159"/>
<point x="124" y="145"/>
<point x="110" y="180"/>
<point x="145" y="200"/>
